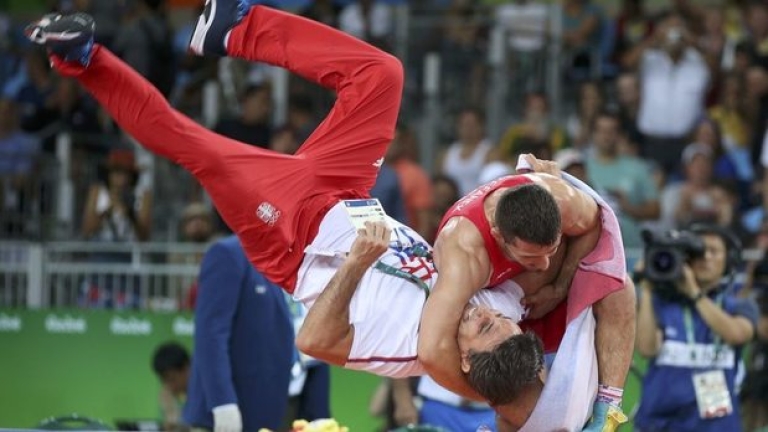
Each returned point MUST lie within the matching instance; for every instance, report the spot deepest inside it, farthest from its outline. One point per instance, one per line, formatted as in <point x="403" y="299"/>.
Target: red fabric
<point x="550" y="328"/>
<point x="471" y="207"/>
<point x="273" y="202"/>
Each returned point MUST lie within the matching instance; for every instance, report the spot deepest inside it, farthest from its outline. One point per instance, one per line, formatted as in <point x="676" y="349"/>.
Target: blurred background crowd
<point x="661" y="106"/>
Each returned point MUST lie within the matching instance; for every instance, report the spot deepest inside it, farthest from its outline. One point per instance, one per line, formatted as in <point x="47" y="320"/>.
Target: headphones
<point x="732" y="243"/>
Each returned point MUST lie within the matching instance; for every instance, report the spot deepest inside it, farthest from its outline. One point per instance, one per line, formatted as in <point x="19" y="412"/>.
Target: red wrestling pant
<point x="273" y="202"/>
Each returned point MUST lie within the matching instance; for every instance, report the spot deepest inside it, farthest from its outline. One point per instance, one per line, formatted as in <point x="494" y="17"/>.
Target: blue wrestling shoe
<point x="68" y="36"/>
<point x="216" y="20"/>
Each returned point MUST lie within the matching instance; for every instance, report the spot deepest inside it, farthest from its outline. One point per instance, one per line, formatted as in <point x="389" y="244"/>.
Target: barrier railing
<point x="154" y="276"/>
<point x="140" y="276"/>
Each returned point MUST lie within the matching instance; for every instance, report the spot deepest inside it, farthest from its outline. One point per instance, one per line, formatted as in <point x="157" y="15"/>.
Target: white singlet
<point x="385" y="309"/>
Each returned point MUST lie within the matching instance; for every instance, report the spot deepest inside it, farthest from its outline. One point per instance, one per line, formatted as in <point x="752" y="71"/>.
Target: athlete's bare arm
<point x="464" y="268"/>
<point x="326" y="333"/>
<point x="581" y="227"/>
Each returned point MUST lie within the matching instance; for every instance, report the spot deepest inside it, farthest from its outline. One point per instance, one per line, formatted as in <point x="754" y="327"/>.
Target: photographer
<point x="692" y="327"/>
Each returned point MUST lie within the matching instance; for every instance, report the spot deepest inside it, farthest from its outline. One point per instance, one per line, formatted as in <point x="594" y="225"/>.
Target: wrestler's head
<point x="527" y="223"/>
<point x="500" y="361"/>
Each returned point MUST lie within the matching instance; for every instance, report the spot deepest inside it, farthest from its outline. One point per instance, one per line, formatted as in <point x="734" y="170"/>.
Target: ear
<point x="465" y="365"/>
<point x="497" y="234"/>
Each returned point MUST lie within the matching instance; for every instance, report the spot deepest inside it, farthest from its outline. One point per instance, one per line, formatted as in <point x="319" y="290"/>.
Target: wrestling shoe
<point x="68" y="36"/>
<point x="218" y="18"/>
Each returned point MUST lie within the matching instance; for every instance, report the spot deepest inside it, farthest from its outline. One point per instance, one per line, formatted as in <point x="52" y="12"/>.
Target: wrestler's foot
<point x="68" y="36"/>
<point x="214" y="23"/>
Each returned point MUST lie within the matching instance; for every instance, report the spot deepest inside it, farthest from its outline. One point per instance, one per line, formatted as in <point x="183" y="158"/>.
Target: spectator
<point x="628" y="98"/>
<point x="582" y="21"/>
<point x="145" y="42"/>
<point x="713" y="43"/>
<point x="77" y="112"/>
<point x="117" y="210"/>
<point x="756" y="15"/>
<point x="324" y="11"/>
<point x="624" y="180"/>
<point x="301" y="115"/>
<point x="284" y="140"/>
<point x="726" y="170"/>
<point x="462" y="41"/>
<point x="19" y="155"/>
<point x="414" y="182"/>
<point x="253" y="125"/>
<point x="572" y="162"/>
<point x="310" y="386"/>
<point x="388" y="191"/>
<point x="465" y="157"/>
<point x="537" y="126"/>
<point x="197" y="226"/>
<point x="526" y="22"/>
<point x="674" y="79"/>
<point x="730" y="115"/>
<point x="632" y="26"/>
<point x="369" y="20"/>
<point x="393" y="402"/>
<point x="446" y="193"/>
<point x="35" y="95"/>
<point x="105" y="12"/>
<point x="443" y="409"/>
<point x="698" y="198"/>
<point x="243" y="346"/>
<point x="692" y="331"/>
<point x="754" y="391"/>
<point x="170" y="363"/>
<point x="580" y="125"/>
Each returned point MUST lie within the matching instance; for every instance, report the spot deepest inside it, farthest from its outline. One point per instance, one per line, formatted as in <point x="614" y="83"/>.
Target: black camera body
<point x="666" y="254"/>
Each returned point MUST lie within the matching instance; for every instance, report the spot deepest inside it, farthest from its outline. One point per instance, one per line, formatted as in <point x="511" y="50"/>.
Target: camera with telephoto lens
<point x="665" y="256"/>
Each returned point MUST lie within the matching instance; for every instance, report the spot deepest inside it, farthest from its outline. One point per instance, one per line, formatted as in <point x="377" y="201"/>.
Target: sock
<point x="609" y="395"/>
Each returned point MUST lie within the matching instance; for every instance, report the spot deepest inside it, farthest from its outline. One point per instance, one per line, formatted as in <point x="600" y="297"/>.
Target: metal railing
<point x="155" y="276"/>
<point x="140" y="276"/>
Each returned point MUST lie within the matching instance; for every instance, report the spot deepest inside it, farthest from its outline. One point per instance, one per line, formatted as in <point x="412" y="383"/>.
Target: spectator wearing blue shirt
<point x="387" y="190"/>
<point x="244" y="346"/>
<point x="693" y="331"/>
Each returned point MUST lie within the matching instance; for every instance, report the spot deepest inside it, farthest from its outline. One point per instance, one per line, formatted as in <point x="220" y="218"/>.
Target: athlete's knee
<point x="389" y="70"/>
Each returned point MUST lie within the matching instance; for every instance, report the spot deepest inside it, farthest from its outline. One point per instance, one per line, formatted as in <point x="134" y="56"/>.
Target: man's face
<point x="176" y="381"/>
<point x="482" y="329"/>
<point x="606" y="134"/>
<point x="532" y="256"/>
<point x="711" y="268"/>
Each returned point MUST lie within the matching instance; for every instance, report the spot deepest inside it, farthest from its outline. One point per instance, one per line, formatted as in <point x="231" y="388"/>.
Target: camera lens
<point x="663" y="261"/>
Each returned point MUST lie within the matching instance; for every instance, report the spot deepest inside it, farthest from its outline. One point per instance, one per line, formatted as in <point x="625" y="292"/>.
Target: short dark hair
<point x="500" y="375"/>
<point x="168" y="357"/>
<point x="528" y="212"/>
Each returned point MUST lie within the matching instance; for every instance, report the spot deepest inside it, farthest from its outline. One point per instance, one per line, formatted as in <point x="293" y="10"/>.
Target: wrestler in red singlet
<point x="551" y="327"/>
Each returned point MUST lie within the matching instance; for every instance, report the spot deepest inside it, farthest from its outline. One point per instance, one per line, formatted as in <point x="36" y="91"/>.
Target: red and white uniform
<point x="385" y="309"/>
<point x="472" y="208"/>
<point x="273" y="202"/>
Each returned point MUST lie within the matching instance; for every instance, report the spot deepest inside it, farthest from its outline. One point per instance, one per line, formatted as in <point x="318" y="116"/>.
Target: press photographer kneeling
<point x="691" y="326"/>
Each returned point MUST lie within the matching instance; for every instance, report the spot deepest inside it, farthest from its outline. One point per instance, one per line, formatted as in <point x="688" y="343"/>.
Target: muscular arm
<point x="580" y="223"/>
<point x="462" y="271"/>
<point x="615" y="335"/>
<point x="327" y="333"/>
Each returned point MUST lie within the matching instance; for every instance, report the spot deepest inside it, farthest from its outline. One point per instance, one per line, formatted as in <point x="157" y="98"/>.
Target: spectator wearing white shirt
<point x="526" y="24"/>
<point x="674" y="79"/>
<point x="368" y="20"/>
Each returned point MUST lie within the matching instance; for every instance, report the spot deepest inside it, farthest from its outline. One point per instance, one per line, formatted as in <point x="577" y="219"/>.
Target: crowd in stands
<point x="664" y="112"/>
